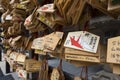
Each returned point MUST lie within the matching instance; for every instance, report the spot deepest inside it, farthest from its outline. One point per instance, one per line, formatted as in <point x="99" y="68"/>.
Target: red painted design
<point x="44" y="8"/>
<point x="27" y="21"/>
<point x="75" y="42"/>
<point x="21" y="74"/>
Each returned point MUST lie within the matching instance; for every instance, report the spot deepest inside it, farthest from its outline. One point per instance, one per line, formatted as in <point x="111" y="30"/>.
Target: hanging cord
<point x="44" y="65"/>
<point x="85" y="71"/>
<point x="60" y="65"/>
<point x="86" y="26"/>
<point x="87" y="23"/>
<point x="45" y="61"/>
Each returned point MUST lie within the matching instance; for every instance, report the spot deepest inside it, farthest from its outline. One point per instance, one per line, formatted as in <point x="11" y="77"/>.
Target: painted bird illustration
<point x="76" y="42"/>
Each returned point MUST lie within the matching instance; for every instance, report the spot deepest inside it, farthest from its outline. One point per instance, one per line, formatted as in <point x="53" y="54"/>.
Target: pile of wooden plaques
<point x="36" y="27"/>
<point x="84" y="46"/>
<point x="104" y="6"/>
<point x="70" y="10"/>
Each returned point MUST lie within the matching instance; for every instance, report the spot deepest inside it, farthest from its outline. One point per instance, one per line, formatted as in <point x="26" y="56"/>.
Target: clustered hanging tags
<point x="32" y="28"/>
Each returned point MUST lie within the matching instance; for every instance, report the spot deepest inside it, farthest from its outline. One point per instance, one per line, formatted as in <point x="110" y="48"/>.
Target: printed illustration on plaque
<point x="82" y="40"/>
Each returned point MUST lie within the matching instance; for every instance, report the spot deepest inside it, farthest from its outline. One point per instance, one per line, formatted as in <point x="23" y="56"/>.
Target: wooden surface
<point x="113" y="50"/>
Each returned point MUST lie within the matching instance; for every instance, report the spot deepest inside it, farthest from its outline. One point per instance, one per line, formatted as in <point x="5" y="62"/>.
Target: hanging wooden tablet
<point x="46" y="21"/>
<point x="57" y="73"/>
<point x="78" y="55"/>
<point x="66" y="8"/>
<point x="113" y="7"/>
<point x="81" y="63"/>
<point x="77" y="78"/>
<point x="80" y="7"/>
<point x="48" y="8"/>
<point x="82" y="40"/>
<point x="30" y="19"/>
<point x="113" y="50"/>
<point x="32" y="65"/>
<point x="20" y="6"/>
<point x="21" y="58"/>
<point x="13" y="56"/>
<point x="48" y="42"/>
<point x="101" y="7"/>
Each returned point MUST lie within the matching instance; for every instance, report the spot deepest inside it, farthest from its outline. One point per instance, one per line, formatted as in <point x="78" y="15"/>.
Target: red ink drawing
<point x="44" y="8"/>
<point x="76" y="43"/>
<point x="21" y="74"/>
